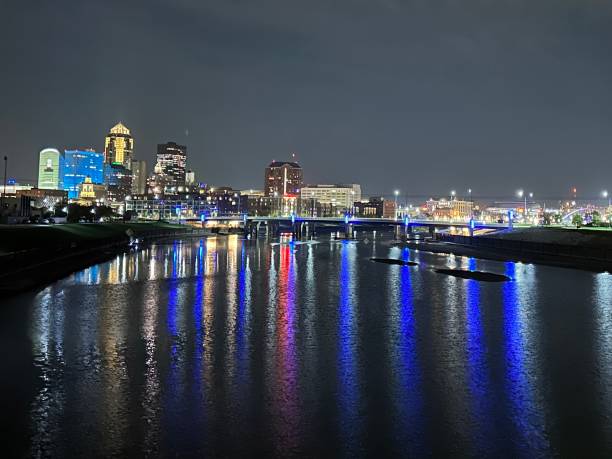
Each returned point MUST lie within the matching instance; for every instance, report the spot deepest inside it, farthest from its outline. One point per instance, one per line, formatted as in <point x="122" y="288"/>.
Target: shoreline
<point x="40" y="273"/>
<point x="506" y="255"/>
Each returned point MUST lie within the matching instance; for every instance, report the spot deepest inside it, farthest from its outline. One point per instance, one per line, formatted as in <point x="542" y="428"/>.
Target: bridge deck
<point x="354" y="221"/>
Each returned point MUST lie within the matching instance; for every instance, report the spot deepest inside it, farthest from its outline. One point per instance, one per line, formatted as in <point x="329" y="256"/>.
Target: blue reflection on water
<point x="175" y="255"/>
<point x="478" y="370"/>
<point x="197" y="320"/>
<point x="241" y="313"/>
<point x="526" y="416"/>
<point x="242" y="321"/>
<point x="411" y="396"/>
<point x="347" y="344"/>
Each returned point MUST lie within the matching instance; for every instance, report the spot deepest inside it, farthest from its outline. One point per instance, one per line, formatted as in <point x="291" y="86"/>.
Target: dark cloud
<point x="422" y="95"/>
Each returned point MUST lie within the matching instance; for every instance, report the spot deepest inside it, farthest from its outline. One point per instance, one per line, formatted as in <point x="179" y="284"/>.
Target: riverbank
<point x="568" y="248"/>
<point x="37" y="255"/>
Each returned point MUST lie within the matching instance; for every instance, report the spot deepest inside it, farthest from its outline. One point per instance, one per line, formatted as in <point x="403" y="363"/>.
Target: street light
<point x="605" y="195"/>
<point x="396" y="193"/>
<point x="521" y="194"/>
<point x="471" y="204"/>
<point x="453" y="194"/>
<point x="4" y="192"/>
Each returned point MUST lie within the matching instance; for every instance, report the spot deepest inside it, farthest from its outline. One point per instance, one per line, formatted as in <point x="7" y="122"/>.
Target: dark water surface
<point x="224" y="347"/>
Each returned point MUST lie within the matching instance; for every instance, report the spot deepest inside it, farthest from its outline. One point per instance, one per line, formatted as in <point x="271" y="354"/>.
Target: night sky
<point x="424" y="96"/>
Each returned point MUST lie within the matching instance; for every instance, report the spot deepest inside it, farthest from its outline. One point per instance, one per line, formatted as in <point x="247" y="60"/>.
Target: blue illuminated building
<point x="79" y="164"/>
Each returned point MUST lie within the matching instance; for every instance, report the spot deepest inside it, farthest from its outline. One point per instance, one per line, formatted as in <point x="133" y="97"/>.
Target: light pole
<point x="521" y="194"/>
<point x="453" y="194"/>
<point x="396" y="193"/>
<point x="471" y="203"/>
<point x="4" y="192"/>
<point x="605" y="195"/>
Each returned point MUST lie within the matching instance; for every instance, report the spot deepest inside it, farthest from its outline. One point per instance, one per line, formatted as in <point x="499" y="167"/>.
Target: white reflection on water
<point x="452" y="355"/>
<point x="243" y="329"/>
<point x="151" y="395"/>
<point x="47" y="334"/>
<point x="309" y="294"/>
<point x="112" y="329"/>
<point x="231" y="294"/>
<point x="208" y="332"/>
<point x="603" y="313"/>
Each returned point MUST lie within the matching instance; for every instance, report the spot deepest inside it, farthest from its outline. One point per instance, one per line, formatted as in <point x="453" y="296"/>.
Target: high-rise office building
<point x="119" y="146"/>
<point x="171" y="160"/>
<point x="50" y="169"/>
<point x="118" y="182"/>
<point x="283" y="178"/>
<point x="341" y="196"/>
<point x="79" y="164"/>
<point x="139" y="176"/>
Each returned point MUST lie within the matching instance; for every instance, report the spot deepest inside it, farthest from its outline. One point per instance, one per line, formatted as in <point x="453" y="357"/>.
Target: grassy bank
<point x="17" y="238"/>
<point x="575" y="237"/>
<point x="37" y="255"/>
<point x="571" y="248"/>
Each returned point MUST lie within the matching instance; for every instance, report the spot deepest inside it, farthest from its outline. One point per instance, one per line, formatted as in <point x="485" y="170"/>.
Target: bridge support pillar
<point x="432" y="232"/>
<point x="348" y="231"/>
<point x="397" y="233"/>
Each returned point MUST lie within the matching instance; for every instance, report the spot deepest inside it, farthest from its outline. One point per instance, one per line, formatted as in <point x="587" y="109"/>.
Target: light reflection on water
<point x="348" y="386"/>
<point x="222" y="346"/>
<point x="603" y="316"/>
<point x="523" y="362"/>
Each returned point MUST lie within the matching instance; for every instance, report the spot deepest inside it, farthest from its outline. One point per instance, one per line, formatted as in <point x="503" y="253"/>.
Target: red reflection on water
<point x="287" y="374"/>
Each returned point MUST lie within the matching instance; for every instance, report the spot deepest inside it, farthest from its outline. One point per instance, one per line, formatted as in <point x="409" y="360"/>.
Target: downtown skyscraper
<point x="171" y="161"/>
<point x="50" y="169"/>
<point x="283" y="178"/>
<point x="119" y="146"/>
<point x="80" y="164"/>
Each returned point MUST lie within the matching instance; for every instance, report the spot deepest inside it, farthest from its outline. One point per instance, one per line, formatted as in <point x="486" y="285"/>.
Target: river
<point x="225" y="347"/>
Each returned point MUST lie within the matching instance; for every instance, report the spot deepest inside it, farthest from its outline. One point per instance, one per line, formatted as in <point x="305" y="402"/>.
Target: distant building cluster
<point x="118" y="179"/>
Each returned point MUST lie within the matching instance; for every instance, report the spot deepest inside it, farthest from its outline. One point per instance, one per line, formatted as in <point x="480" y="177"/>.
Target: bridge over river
<point x="304" y="225"/>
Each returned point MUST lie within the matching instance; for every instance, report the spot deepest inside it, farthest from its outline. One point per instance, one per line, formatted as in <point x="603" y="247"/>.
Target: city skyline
<point x="570" y="192"/>
<point x="476" y="95"/>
